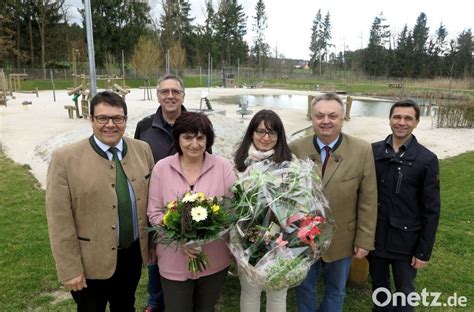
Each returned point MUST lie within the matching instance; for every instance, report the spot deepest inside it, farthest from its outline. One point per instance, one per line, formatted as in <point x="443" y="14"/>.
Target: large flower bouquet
<point x="193" y="220"/>
<point x="284" y="223"/>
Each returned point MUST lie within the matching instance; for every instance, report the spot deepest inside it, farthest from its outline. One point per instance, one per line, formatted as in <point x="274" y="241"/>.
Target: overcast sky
<point x="289" y="22"/>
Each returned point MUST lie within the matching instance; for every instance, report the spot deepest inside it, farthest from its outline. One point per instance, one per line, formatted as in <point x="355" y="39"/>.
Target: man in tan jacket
<point x="96" y="199"/>
<point x="349" y="184"/>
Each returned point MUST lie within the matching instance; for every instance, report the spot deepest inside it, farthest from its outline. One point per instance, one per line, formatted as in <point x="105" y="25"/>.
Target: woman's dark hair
<point x="191" y="122"/>
<point x="271" y="122"/>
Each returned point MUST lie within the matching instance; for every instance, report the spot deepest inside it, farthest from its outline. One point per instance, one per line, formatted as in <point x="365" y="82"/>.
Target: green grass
<point x="28" y="277"/>
<point x="62" y="84"/>
<point x="353" y="87"/>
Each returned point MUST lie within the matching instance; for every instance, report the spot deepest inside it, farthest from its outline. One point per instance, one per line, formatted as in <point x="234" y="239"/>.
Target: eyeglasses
<point x="175" y="92"/>
<point x="104" y="119"/>
<point x="261" y="133"/>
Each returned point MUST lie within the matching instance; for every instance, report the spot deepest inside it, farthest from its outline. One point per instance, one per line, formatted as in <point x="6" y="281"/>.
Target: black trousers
<point x="118" y="290"/>
<point x="403" y="276"/>
<point x="199" y="295"/>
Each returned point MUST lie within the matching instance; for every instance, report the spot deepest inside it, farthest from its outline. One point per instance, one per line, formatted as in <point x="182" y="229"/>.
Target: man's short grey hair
<point x="328" y="97"/>
<point x="172" y="77"/>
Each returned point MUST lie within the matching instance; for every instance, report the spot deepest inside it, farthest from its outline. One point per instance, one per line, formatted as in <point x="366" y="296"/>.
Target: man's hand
<point x="76" y="283"/>
<point x="417" y="263"/>
<point x="360" y="252"/>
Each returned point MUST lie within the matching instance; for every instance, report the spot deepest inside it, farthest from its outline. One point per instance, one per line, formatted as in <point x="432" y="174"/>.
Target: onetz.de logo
<point x="414" y="299"/>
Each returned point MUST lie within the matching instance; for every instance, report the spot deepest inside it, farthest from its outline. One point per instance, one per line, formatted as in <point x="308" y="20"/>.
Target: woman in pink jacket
<point x="191" y="169"/>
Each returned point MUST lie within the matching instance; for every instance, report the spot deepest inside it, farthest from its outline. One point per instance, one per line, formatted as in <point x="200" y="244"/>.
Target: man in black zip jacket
<point x="408" y="208"/>
<point x="157" y="131"/>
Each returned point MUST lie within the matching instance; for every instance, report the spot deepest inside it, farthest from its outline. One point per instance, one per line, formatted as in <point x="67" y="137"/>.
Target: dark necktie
<point x="124" y="203"/>
<point x="326" y="159"/>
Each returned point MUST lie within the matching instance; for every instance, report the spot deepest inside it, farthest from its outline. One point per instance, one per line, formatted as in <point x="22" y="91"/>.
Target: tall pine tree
<point x="260" y="48"/>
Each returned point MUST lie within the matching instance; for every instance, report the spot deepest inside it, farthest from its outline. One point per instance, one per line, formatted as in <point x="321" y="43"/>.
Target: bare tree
<point x="146" y="57"/>
<point x="177" y="57"/>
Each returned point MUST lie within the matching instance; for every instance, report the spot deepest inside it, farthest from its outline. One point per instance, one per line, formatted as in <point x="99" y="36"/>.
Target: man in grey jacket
<point x="157" y="131"/>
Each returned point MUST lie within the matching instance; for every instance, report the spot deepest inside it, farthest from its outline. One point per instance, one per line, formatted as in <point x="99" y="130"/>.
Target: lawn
<point x="353" y="87"/>
<point x="28" y="278"/>
<point x="62" y="84"/>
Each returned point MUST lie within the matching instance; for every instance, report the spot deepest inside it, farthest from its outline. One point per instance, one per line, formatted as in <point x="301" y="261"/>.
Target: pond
<point x="365" y="108"/>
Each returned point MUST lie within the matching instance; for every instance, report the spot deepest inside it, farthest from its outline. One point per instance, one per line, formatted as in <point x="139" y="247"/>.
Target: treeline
<point x="413" y="53"/>
<point x="37" y="33"/>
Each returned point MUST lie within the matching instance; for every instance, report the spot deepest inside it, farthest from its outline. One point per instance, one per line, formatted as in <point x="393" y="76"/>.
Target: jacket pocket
<point x="352" y="226"/>
<point x="403" y="235"/>
<point x="84" y="239"/>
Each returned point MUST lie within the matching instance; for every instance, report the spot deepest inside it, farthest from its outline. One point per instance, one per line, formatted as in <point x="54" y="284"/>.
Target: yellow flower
<point x="215" y="208"/>
<point x="201" y="196"/>
<point x="171" y="204"/>
<point x="166" y="217"/>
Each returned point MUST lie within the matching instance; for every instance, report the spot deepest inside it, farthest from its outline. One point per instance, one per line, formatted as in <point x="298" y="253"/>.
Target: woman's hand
<point x="191" y="251"/>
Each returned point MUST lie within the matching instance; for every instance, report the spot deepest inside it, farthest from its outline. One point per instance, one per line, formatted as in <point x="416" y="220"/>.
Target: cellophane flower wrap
<point x="284" y="223"/>
<point x="193" y="220"/>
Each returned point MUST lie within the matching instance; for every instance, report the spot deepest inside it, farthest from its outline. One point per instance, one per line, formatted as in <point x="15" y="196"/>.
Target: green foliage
<point x="230" y="28"/>
<point x="117" y="25"/>
<point x="260" y="48"/>
<point x="176" y="27"/>
<point x="320" y="36"/>
<point x="464" y="53"/>
<point x="375" y="55"/>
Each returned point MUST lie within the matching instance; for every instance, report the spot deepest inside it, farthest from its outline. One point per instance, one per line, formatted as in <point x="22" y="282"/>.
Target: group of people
<point x="104" y="192"/>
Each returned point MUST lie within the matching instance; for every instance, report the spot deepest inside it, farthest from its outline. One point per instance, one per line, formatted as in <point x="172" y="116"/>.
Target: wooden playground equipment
<point x="79" y="91"/>
<point x="14" y="81"/>
<point x="82" y="90"/>
<point x="3" y="89"/>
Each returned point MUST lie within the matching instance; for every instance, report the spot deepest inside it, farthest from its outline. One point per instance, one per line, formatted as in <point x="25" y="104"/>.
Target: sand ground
<point x="29" y="133"/>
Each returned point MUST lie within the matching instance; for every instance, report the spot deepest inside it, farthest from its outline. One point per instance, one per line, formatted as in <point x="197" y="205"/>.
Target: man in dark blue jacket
<point x="156" y="130"/>
<point x="408" y="208"/>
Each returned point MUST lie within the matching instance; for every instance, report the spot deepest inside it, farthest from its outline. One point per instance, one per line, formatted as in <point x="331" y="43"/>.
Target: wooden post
<point x="85" y="107"/>
<point x="70" y="111"/>
<point x="309" y="115"/>
<point x="359" y="272"/>
<point x="3" y="89"/>
<point x="347" y="116"/>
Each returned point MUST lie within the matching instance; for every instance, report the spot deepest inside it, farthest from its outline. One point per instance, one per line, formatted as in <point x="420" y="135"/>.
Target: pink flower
<point x="309" y="229"/>
<point x="292" y="219"/>
<point x="303" y="234"/>
<point x="280" y="241"/>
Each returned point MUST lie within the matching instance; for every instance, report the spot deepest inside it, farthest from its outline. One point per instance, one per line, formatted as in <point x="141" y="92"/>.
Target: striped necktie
<point x="124" y="203"/>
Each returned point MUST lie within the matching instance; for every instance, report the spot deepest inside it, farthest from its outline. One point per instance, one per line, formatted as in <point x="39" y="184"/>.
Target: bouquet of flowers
<point x="192" y="220"/>
<point x="284" y="223"/>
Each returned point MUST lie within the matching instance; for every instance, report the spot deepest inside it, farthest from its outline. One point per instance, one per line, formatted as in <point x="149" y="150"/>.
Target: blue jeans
<point x="155" y="292"/>
<point x="335" y="276"/>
